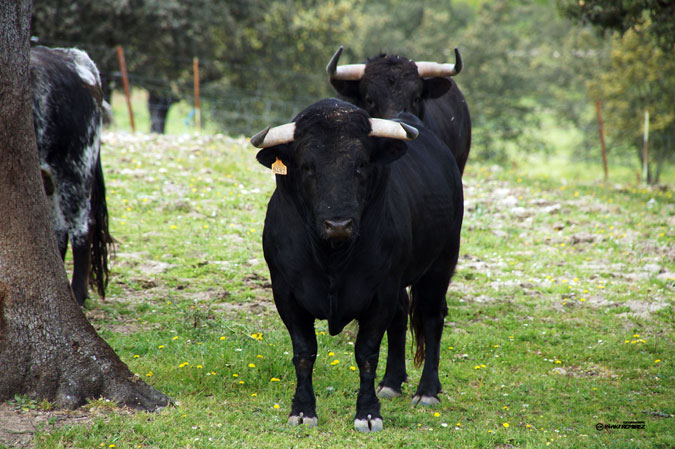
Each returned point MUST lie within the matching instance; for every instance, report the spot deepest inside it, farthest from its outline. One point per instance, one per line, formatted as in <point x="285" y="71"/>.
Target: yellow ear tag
<point x="278" y="168"/>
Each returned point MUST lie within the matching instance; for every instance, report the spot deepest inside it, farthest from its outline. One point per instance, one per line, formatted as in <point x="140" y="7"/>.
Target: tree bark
<point x="48" y="349"/>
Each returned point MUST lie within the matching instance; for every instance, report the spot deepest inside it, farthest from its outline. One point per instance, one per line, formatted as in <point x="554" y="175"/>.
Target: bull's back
<point x="448" y="117"/>
<point x="426" y="195"/>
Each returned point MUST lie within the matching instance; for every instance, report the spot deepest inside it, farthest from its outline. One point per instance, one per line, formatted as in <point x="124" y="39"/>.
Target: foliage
<point x="558" y="313"/>
<point x="159" y="37"/>
<point x="274" y="60"/>
<point x="622" y="15"/>
<point x="641" y="77"/>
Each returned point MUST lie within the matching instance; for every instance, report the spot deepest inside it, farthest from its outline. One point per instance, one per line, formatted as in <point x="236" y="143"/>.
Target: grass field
<point x="560" y="314"/>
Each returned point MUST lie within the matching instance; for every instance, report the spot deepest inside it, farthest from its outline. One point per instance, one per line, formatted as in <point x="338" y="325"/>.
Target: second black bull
<point x="361" y="213"/>
<point x="388" y="84"/>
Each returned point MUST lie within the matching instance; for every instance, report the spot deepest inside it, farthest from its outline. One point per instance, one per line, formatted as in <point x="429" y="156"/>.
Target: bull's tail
<point x="102" y="244"/>
<point x="416" y="328"/>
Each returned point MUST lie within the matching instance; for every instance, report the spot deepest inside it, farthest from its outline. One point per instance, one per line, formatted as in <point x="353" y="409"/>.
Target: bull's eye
<point x="361" y="169"/>
<point x="370" y="102"/>
<point x="307" y="170"/>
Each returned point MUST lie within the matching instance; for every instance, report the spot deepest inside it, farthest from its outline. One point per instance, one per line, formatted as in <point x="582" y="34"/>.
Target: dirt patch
<point x="17" y="426"/>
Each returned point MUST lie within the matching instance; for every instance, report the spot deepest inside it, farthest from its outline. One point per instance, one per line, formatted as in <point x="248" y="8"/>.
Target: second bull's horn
<point x="430" y="69"/>
<point x="270" y="137"/>
<point x="349" y="72"/>
<point x="394" y="130"/>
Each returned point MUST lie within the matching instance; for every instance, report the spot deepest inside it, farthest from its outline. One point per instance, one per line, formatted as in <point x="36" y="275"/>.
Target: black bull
<point x="67" y="110"/>
<point x="398" y="207"/>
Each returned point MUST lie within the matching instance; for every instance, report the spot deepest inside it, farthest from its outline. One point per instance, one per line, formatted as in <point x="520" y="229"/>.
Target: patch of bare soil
<point x="17" y="426"/>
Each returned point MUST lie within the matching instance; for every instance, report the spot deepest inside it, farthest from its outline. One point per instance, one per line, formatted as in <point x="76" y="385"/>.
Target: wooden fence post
<point x="645" y="150"/>
<point x="125" y="83"/>
<point x="198" y="114"/>
<point x="598" y="107"/>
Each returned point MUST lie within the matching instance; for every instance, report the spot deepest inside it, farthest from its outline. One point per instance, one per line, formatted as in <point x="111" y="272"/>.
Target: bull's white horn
<point x="394" y="130"/>
<point x="427" y="69"/>
<point x="270" y="137"/>
<point x="349" y="72"/>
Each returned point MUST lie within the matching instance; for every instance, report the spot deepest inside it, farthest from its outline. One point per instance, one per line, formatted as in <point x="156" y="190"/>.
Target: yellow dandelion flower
<point x="254" y="395"/>
<point x="161" y="346"/>
<point x="174" y="227"/>
<point x="176" y="337"/>
<point x="150" y="374"/>
<point x="241" y="382"/>
<point x="558" y="362"/>
<point x="223" y="338"/>
<point x="275" y="379"/>
<point x="199" y="367"/>
<point x="436" y="414"/>
<point x="136" y="356"/>
<point x="276" y="406"/>
<point x="331" y="354"/>
<point x="251" y="365"/>
<point x="506" y="425"/>
<point x="657" y="361"/>
<point x="353" y="368"/>
<point x="335" y="362"/>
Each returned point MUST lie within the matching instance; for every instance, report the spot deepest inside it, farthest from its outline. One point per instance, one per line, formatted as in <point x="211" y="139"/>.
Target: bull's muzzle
<point x="339" y="229"/>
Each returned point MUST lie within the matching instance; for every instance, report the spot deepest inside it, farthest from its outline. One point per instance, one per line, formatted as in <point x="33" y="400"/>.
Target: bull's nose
<point x="339" y="229"/>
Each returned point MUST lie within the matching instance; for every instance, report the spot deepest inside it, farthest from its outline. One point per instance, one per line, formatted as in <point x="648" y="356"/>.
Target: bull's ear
<point x="267" y="156"/>
<point x="435" y="87"/>
<point x="348" y="90"/>
<point x="387" y="150"/>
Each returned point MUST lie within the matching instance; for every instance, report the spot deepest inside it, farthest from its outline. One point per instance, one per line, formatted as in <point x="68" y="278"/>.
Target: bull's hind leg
<point x="395" y="374"/>
<point x="429" y="309"/>
<point x="81" y="246"/>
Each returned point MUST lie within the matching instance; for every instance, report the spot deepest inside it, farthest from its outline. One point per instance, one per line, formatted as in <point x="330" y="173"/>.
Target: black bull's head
<point x="333" y="156"/>
<point x="389" y="84"/>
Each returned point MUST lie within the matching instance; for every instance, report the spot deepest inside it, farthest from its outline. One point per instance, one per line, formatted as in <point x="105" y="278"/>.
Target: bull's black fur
<point x="405" y="200"/>
<point x="67" y="111"/>
<point x="391" y="85"/>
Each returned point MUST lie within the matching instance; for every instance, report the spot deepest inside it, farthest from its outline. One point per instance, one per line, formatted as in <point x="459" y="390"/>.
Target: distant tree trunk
<point x="158" y="105"/>
<point x="48" y="349"/>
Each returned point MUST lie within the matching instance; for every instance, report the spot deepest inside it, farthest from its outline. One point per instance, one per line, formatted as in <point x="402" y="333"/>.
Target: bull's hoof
<point x="368" y="425"/>
<point x="295" y="420"/>
<point x="426" y="401"/>
<point x="386" y="392"/>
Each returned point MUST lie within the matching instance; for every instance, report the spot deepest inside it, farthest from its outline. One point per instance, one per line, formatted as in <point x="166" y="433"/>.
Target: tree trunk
<point x="48" y="349"/>
<point x="158" y="106"/>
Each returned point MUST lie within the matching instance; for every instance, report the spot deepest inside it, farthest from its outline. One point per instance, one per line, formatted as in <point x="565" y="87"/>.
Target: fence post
<point x="598" y="107"/>
<point x="125" y="83"/>
<point x="645" y="150"/>
<point x="198" y="114"/>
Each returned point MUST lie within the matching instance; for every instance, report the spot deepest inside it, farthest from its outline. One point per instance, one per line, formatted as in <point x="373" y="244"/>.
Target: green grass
<point x="560" y="308"/>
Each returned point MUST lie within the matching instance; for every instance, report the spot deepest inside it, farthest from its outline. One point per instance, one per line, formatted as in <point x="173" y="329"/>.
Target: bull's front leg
<point x="367" y="352"/>
<point x="300" y="326"/>
<point x="303" y="408"/>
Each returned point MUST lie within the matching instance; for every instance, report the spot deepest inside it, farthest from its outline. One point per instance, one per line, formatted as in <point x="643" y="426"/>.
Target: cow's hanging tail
<point x="102" y="244"/>
<point x="417" y="329"/>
